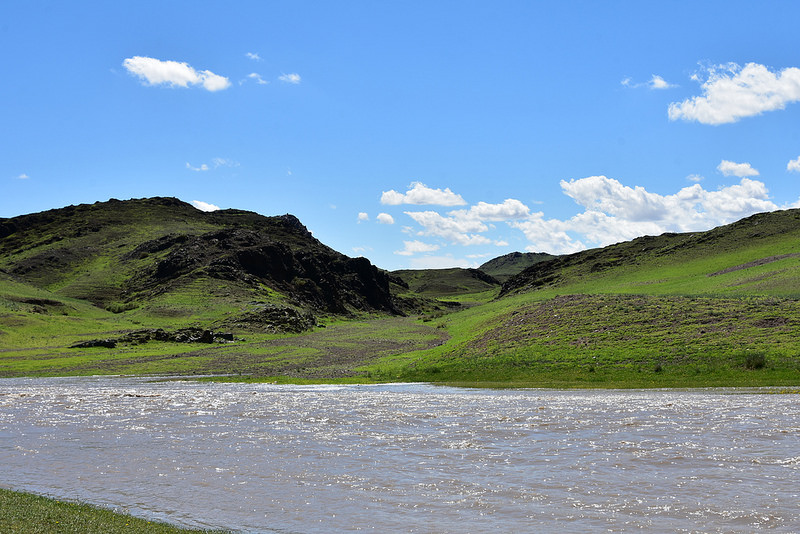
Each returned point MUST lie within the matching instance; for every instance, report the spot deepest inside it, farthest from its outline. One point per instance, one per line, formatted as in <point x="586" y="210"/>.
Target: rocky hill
<point x="161" y="252"/>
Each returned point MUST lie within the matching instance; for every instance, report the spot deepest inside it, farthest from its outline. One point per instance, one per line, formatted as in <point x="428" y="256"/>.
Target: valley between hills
<point x="157" y="287"/>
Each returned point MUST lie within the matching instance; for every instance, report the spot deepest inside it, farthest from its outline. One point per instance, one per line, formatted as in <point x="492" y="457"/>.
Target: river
<point x="407" y="457"/>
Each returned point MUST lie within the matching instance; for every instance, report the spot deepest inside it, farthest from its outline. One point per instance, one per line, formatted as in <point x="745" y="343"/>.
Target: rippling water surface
<point x="407" y="458"/>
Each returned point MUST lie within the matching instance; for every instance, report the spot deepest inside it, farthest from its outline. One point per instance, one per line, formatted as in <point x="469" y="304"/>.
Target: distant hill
<point x="758" y="255"/>
<point x="443" y="283"/>
<point x="164" y="256"/>
<point x="504" y="267"/>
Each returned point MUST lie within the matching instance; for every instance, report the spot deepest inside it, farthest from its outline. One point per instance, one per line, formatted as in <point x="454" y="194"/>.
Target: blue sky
<point x="417" y="134"/>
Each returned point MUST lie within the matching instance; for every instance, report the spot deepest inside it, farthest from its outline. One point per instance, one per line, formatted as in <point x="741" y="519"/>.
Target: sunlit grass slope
<point x="701" y="309"/>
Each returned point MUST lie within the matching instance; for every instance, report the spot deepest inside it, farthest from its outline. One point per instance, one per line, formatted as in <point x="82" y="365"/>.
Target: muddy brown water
<point x="407" y="458"/>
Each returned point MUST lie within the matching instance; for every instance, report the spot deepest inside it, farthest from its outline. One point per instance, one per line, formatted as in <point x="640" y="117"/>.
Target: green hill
<point x="504" y="267"/>
<point x="160" y="253"/>
<point x="447" y="283"/>
<point x="707" y="308"/>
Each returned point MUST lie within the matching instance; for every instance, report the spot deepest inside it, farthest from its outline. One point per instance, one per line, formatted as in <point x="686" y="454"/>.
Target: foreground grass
<point x="24" y="513"/>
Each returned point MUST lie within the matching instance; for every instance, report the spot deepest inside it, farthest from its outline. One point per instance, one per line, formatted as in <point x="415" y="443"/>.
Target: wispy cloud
<point x="293" y="78"/>
<point x="204" y="206"/>
<point x="656" y="82"/>
<point x="731" y="93"/>
<point x="201" y="168"/>
<point x="173" y="73"/>
<point x="421" y="194"/>
<point x="215" y="164"/>
<point x="793" y="165"/>
<point x="254" y="56"/>
<point x="740" y="170"/>
<point x="224" y="162"/>
<point x="23" y="176"/>
<point x="257" y="78"/>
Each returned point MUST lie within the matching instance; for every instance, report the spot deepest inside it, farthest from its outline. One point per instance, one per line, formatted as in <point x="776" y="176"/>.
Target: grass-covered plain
<point x="24" y="513"/>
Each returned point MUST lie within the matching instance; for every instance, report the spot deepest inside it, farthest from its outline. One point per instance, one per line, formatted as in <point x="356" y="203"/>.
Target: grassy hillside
<point x="167" y="258"/>
<point x="238" y="293"/>
<point x="504" y="267"/>
<point x="443" y="283"/>
<point x="707" y="308"/>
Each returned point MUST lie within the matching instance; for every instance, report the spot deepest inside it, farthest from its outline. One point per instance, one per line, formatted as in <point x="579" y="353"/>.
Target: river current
<point x="407" y="458"/>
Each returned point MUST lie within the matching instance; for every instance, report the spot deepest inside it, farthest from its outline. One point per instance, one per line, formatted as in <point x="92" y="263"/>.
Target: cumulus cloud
<point x="792" y="166"/>
<point x="509" y="209"/>
<point x="204" y="206"/>
<point x="385" y="218"/>
<point x="416" y="247"/>
<point x="363" y="217"/>
<point x="293" y="78"/>
<point x="173" y="73"/>
<point x="614" y="212"/>
<point x="729" y="168"/>
<point x="419" y="194"/>
<point x="254" y="56"/>
<point x="694" y="178"/>
<point x="456" y="228"/>
<point x="464" y="227"/>
<point x="731" y="92"/>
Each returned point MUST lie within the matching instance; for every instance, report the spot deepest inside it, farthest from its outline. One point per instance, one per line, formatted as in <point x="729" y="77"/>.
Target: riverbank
<point x="26" y="513"/>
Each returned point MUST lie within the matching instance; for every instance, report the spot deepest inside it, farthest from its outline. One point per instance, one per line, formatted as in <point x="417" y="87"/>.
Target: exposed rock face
<point x="315" y="276"/>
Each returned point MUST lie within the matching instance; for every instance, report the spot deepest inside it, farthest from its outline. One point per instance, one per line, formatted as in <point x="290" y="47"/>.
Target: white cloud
<point x="385" y="218"/>
<point x="694" y="178"/>
<point x="363" y="217"/>
<point x="290" y="78"/>
<point x="657" y="82"/>
<point x="23" y="176"/>
<point x="254" y="56"/>
<point x="416" y="247"/>
<point x="258" y="79"/>
<point x="614" y="212"/>
<point x="456" y="229"/>
<point x="731" y="93"/>
<point x="202" y="167"/>
<point x="510" y="209"/>
<point x="173" y="73"/>
<point x="792" y="166"/>
<point x="204" y="206"/>
<point x="422" y="194"/>
<point x="729" y="168"/>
